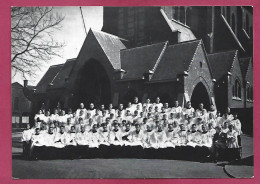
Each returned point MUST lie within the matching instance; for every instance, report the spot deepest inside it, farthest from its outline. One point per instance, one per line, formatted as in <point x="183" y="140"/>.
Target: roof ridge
<point x="189" y="41"/>
<point x="195" y="52"/>
<point x="233" y="60"/>
<point x="126" y="49"/>
<point x="108" y="34"/>
<point x="56" y="75"/>
<point x="222" y="52"/>
<point x="56" y="65"/>
<point x="160" y="56"/>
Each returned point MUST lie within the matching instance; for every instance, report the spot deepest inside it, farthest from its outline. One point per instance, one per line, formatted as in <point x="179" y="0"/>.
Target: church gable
<point x="175" y="60"/>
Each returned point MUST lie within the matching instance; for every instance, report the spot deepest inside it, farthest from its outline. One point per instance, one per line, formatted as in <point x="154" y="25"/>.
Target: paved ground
<point x="130" y="168"/>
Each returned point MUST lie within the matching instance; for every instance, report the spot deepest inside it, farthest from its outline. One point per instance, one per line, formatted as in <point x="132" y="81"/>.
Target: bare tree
<point x="32" y="38"/>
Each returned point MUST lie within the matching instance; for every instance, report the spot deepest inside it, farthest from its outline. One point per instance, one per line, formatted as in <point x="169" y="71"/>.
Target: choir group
<point x="149" y="125"/>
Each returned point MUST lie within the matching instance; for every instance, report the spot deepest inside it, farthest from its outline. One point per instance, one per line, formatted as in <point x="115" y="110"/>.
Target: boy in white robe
<point x="194" y="137"/>
<point x="157" y="103"/>
<point x="137" y="136"/>
<point x="148" y="140"/>
<point x="70" y="139"/>
<point x="115" y="135"/>
<point x="183" y="136"/>
<point x="82" y="137"/>
<point x="206" y="139"/>
<point x="188" y="110"/>
<point x="136" y="103"/>
<point x="104" y="135"/>
<point x="160" y="137"/>
<point x="171" y="137"/>
<point x="126" y="132"/>
<point x="94" y="137"/>
<point x="232" y="141"/>
<point x="60" y="138"/>
<point x="176" y="108"/>
<point x="199" y="112"/>
<point x="237" y="127"/>
<point x="54" y="116"/>
<point x="110" y="109"/>
<point x="91" y="110"/>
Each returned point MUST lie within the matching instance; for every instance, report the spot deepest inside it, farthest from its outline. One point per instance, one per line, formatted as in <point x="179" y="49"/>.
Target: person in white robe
<point x="70" y="139"/>
<point x="115" y="135"/>
<point x="46" y="118"/>
<point x="126" y="133"/>
<point x="110" y="109"/>
<point x="130" y="108"/>
<point x="104" y="135"/>
<point x="37" y="138"/>
<point x="199" y="111"/>
<point x="213" y="111"/>
<point x="63" y="117"/>
<point x="147" y="103"/>
<point x="54" y="116"/>
<point x="194" y="137"/>
<point x="237" y="127"/>
<point x="39" y="115"/>
<point x="232" y="141"/>
<point x="212" y="120"/>
<point x="82" y="137"/>
<point x="136" y="103"/>
<point x="206" y="139"/>
<point x="189" y="109"/>
<point x="176" y="108"/>
<point x="94" y="137"/>
<point x="60" y="138"/>
<point x="157" y="104"/>
<point x="225" y="127"/>
<point x="149" y="139"/>
<point x="160" y="137"/>
<point x="171" y="136"/>
<point x="49" y="137"/>
<point x="183" y="136"/>
<point x="137" y="136"/>
<point x="91" y="110"/>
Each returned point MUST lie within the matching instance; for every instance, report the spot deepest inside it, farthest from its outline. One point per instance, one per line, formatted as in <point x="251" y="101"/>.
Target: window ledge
<point x="236" y="98"/>
<point x="250" y="101"/>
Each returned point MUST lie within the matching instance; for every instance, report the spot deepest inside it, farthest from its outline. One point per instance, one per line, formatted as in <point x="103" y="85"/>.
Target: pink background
<point x="5" y="84"/>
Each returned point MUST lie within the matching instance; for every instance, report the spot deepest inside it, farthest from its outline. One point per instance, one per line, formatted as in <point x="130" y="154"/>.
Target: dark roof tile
<point x="63" y="74"/>
<point x="176" y="60"/>
<point x="244" y="64"/>
<point x="48" y="78"/>
<point x="139" y="60"/>
<point x="221" y="63"/>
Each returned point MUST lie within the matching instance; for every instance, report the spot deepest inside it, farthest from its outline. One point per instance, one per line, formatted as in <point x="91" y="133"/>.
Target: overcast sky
<point x="72" y="33"/>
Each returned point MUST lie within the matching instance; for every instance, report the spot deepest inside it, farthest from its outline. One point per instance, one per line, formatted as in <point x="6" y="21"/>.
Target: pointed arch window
<point x="236" y="90"/>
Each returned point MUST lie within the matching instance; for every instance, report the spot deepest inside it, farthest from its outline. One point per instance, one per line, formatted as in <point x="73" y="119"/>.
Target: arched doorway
<point x="200" y="95"/>
<point x="92" y="85"/>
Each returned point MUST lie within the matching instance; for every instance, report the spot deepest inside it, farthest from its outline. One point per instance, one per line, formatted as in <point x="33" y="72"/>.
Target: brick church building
<point x="197" y="54"/>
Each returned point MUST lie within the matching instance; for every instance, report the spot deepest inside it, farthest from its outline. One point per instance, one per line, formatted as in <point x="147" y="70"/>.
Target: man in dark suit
<point x="219" y="143"/>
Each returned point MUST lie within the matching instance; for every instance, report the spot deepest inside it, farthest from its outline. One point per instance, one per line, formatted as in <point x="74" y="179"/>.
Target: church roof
<point x="17" y="85"/>
<point x="48" y="78"/>
<point x="176" y="60"/>
<point x="111" y="45"/>
<point x="59" y="80"/>
<point x="185" y="33"/>
<point x="139" y="60"/>
<point x="244" y="64"/>
<point x="221" y="63"/>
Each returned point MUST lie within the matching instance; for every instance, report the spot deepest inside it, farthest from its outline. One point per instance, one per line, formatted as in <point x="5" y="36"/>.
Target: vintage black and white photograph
<point x="132" y="92"/>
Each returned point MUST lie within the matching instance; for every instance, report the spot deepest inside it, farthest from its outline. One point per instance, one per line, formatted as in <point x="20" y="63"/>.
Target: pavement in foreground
<point x="130" y="168"/>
